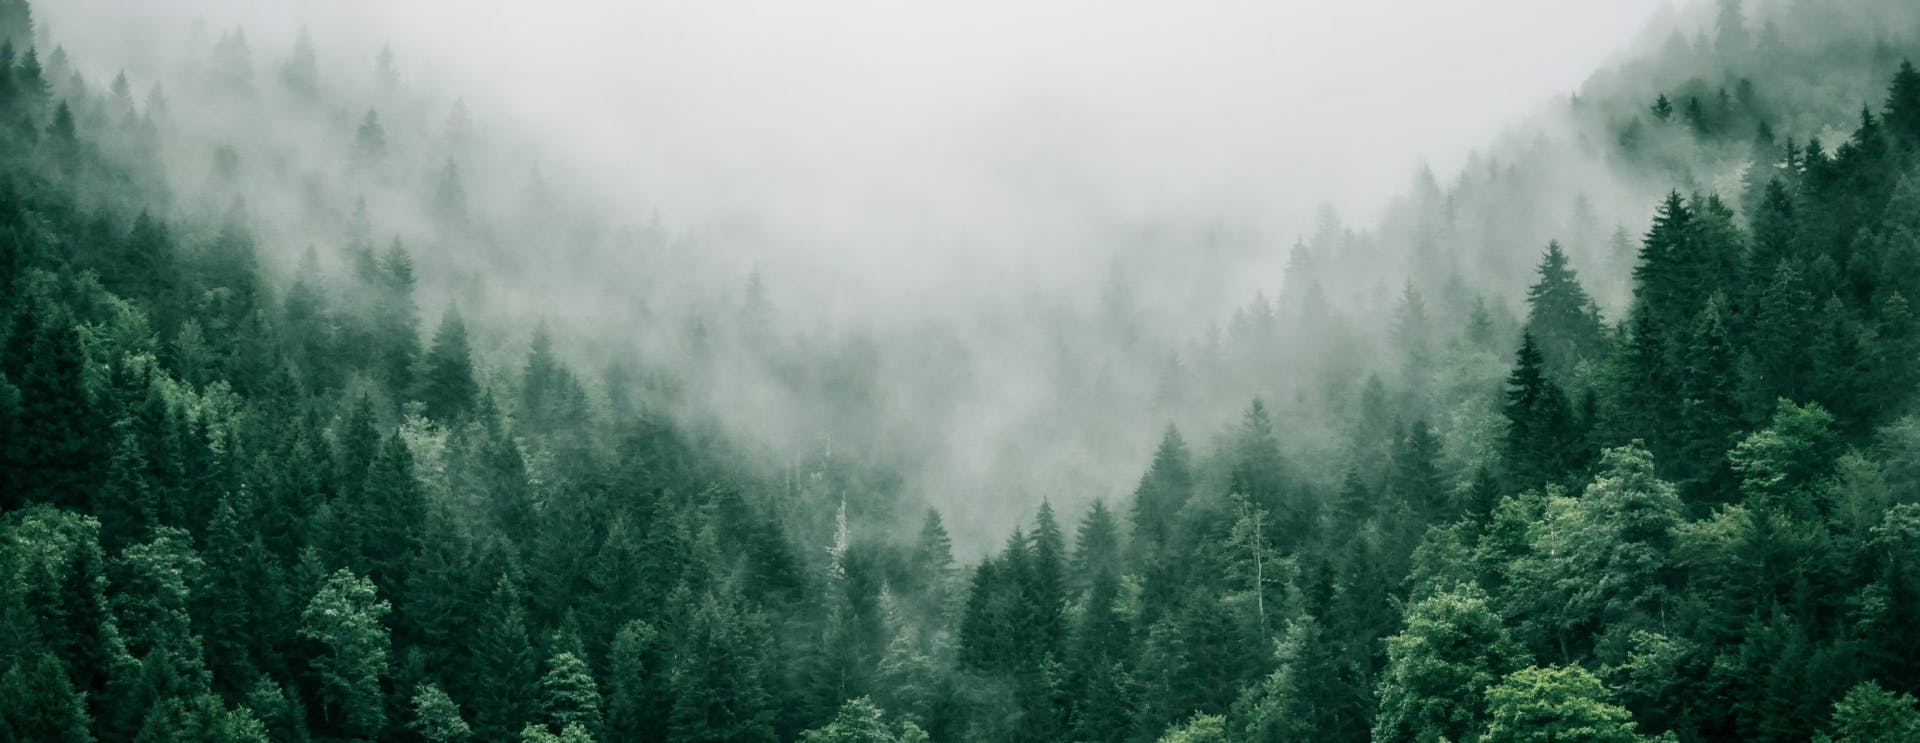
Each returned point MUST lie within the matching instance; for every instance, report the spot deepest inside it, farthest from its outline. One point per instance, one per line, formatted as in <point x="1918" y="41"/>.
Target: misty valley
<point x="870" y="372"/>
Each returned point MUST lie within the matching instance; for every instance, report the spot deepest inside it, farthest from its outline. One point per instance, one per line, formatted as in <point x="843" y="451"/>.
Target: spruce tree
<point x="345" y="618"/>
<point x="1563" y="318"/>
<point x="447" y="386"/>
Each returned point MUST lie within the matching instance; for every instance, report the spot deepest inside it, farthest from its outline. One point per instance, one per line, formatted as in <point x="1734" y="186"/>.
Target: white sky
<point x="912" y="104"/>
<point x="851" y="129"/>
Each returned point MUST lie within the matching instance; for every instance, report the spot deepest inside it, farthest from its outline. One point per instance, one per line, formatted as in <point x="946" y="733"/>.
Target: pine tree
<point x="931" y="562"/>
<point x="41" y="704"/>
<point x="1556" y="703"/>
<point x="450" y="197"/>
<point x="1439" y="667"/>
<point x="345" y="618"/>
<point x="1540" y="433"/>
<point x="447" y="386"/>
<point x="389" y="516"/>
<point x="1563" y="318"/>
<point x="55" y="457"/>
<point x="719" y="684"/>
<point x="503" y="664"/>
<point x="126" y="503"/>
<point x="436" y="719"/>
<point x="1164" y="488"/>
<point x="1047" y="587"/>
<point x="1096" y="546"/>
<point x="1291" y="704"/>
<point x="369" y="142"/>
<point x="1903" y="105"/>
<point x="301" y="73"/>
<point x="568" y="694"/>
<point x="396" y="320"/>
<point x="638" y="686"/>
<point x="1260" y="473"/>
<point x="1710" y="404"/>
<point x="1416" y="479"/>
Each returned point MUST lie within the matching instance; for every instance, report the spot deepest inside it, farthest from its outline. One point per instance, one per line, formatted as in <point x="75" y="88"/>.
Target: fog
<point x="962" y="186"/>
<point x="878" y="139"/>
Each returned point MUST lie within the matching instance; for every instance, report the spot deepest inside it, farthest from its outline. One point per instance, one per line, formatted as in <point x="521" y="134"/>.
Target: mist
<point x="990" y="371"/>
<point x="949" y="171"/>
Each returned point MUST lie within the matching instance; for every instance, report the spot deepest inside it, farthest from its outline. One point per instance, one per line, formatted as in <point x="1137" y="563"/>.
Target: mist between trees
<point x="336" y="406"/>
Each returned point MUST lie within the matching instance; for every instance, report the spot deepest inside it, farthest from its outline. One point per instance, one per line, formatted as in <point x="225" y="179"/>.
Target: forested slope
<point x="252" y="496"/>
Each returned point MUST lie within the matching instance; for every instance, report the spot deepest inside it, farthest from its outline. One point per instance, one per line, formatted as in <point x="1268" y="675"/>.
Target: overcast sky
<point x="853" y="128"/>
<point x="1198" y="104"/>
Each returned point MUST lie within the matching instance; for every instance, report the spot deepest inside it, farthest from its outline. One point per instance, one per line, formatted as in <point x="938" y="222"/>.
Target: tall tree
<point x="1556" y="703"/>
<point x="1439" y="667"/>
<point x="446" y="385"/>
<point x="345" y="618"/>
<point x="1563" y="319"/>
<point x="1541" y="443"/>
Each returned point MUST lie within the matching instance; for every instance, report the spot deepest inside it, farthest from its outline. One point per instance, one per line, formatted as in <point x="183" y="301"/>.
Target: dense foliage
<point x="243" y="503"/>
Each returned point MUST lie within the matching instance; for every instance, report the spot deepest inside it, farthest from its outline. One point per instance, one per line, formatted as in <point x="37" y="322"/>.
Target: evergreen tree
<point x="1557" y="703"/>
<point x="41" y="704"/>
<point x="436" y="719"/>
<point x="389" y="516"/>
<point x="1871" y="714"/>
<point x="1541" y="440"/>
<point x="1563" y="319"/>
<point x="1439" y="667"/>
<point x="568" y="695"/>
<point x="345" y="618"/>
<point x="719" y="686"/>
<point x="447" y="386"/>
<point x="503" y="664"/>
<point x="1164" y="488"/>
<point x="369" y="141"/>
<point x="1096" y="546"/>
<point x="1259" y="471"/>
<point x="638" y="686"/>
<point x="1903" y="105"/>
<point x="56" y="456"/>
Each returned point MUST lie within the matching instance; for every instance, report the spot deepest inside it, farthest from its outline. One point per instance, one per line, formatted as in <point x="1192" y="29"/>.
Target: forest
<point x="1613" y="438"/>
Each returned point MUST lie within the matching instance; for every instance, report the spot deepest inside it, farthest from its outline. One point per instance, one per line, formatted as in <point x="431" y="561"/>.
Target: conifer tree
<point x="447" y="386"/>
<point x="503" y="664"/>
<point x="719" y="685"/>
<point x="638" y="685"/>
<point x="1439" y="667"/>
<point x="1540" y="436"/>
<point x="436" y="719"/>
<point x="345" y="618"/>
<point x="41" y="703"/>
<point x="369" y="141"/>
<point x="1164" y="488"/>
<point x="569" y="696"/>
<point x="1563" y="318"/>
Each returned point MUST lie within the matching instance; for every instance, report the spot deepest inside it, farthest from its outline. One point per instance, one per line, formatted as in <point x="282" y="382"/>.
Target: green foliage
<point x="1871" y="714"/>
<point x="719" y="684"/>
<point x="1710" y="506"/>
<point x="41" y="704"/>
<point x="436" y="719"/>
<point x="1552" y="704"/>
<point x="1439" y="667"/>
<point x="858" y="721"/>
<point x="345" y="618"/>
<point x="568" y="695"/>
<point x="1200" y="729"/>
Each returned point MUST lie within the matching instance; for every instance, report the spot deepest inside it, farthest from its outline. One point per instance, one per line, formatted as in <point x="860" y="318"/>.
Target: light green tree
<point x="345" y="618"/>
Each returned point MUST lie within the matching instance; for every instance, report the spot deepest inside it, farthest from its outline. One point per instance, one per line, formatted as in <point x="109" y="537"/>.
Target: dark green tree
<point x="446" y="384"/>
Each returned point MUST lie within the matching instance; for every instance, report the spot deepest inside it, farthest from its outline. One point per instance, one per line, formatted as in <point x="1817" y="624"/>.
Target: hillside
<point x="329" y="412"/>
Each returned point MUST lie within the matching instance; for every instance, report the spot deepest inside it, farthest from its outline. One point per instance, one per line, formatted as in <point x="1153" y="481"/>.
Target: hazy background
<point x="945" y="197"/>
<point x="876" y="138"/>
